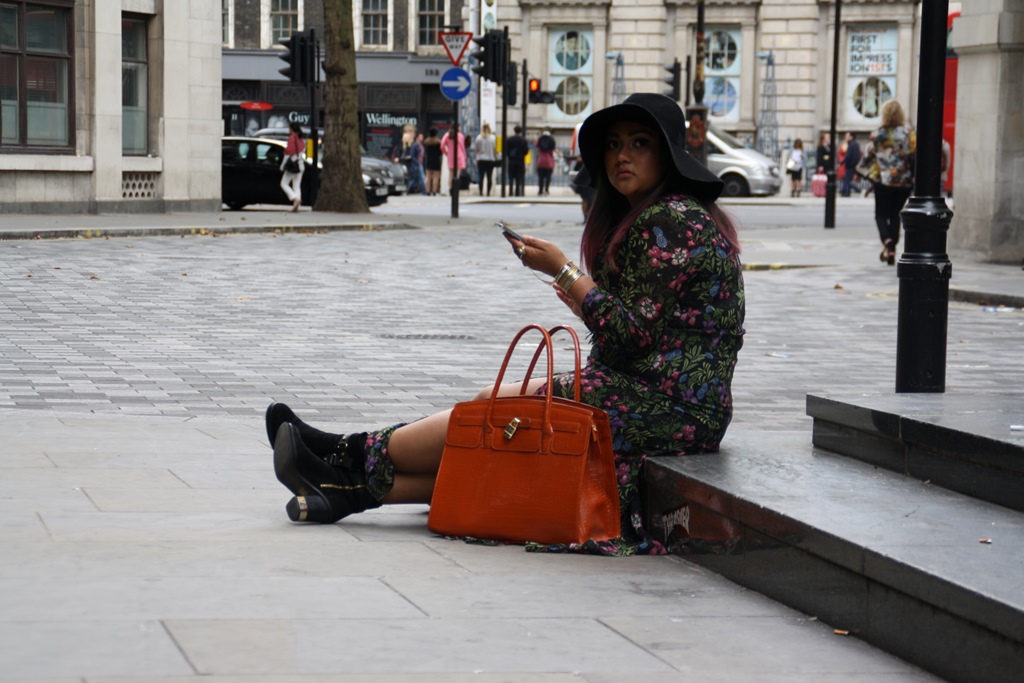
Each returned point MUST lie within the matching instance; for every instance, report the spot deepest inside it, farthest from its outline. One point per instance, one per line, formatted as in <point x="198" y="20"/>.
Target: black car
<point x="394" y="173"/>
<point x="251" y="174"/>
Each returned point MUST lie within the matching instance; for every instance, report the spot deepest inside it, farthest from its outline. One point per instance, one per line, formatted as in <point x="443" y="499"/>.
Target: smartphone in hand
<point x="509" y="231"/>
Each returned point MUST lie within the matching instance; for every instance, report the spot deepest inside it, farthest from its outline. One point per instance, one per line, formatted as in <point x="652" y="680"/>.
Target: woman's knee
<point x="484" y="393"/>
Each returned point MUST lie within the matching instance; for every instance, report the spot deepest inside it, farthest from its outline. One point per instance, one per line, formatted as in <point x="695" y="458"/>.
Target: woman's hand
<point x="564" y="298"/>
<point x="538" y="254"/>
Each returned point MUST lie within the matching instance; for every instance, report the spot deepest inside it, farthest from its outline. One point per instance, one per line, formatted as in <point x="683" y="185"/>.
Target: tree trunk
<point x="341" y="182"/>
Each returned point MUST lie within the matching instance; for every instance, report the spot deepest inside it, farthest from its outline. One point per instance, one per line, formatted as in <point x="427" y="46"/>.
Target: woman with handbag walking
<point x="892" y="152"/>
<point x="661" y="293"/>
<point x="795" y="168"/>
<point x="292" y="166"/>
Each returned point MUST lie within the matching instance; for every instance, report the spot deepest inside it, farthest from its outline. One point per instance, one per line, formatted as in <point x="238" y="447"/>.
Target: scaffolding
<point x="768" y="126"/>
<point x="619" y="82"/>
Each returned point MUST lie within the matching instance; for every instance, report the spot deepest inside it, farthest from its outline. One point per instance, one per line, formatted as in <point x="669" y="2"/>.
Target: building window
<point x="134" y="87"/>
<point x="872" y="51"/>
<point x="375" y="22"/>
<point x="35" y="64"/>
<point x="431" y="20"/>
<point x="284" y="19"/>
<point x="723" y="73"/>
<point x="227" y="9"/>
<point x="571" y="69"/>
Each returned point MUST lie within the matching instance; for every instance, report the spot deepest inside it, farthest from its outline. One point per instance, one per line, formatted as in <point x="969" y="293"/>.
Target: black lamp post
<point x="697" y="115"/>
<point x="830" y="172"/>
<point x="924" y="268"/>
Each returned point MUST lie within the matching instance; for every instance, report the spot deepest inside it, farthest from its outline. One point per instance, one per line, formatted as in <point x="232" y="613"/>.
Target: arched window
<point x="571" y="69"/>
<point x="722" y="73"/>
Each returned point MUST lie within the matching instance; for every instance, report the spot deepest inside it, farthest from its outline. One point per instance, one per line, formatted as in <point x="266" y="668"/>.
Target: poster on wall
<point x="871" y="55"/>
<point x="488" y="90"/>
<point x="722" y="75"/>
<point x="382" y="133"/>
<point x="571" y="72"/>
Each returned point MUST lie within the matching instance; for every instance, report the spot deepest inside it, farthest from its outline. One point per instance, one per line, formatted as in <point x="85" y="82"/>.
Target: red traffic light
<point x="534" y="85"/>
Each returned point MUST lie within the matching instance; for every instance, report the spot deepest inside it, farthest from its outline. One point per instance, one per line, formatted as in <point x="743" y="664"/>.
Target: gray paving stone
<point x="41" y="649"/>
<point x="407" y="646"/>
<point x="690" y="644"/>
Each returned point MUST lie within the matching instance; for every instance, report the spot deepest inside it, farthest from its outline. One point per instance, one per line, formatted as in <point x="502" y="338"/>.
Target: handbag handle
<point x="536" y="357"/>
<point x="548" y="395"/>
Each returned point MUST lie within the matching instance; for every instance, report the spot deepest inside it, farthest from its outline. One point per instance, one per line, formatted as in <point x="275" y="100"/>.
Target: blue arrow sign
<point x="455" y="84"/>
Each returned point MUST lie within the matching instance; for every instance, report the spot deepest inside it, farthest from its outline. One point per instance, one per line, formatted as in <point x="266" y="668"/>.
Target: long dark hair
<point x="611" y="216"/>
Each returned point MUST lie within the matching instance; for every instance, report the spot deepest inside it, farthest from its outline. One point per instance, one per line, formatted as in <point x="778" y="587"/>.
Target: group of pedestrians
<point x="428" y="154"/>
<point x="886" y="163"/>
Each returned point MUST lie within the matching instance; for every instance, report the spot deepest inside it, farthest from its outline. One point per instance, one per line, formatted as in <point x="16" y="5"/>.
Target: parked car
<point x="393" y="173"/>
<point x="251" y="174"/>
<point x="745" y="171"/>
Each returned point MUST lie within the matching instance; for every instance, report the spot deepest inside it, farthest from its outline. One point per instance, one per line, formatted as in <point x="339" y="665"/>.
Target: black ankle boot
<point x="325" y="445"/>
<point x="323" y="493"/>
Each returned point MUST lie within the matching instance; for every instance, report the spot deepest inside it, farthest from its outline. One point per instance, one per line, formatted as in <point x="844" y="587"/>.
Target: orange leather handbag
<point x="528" y="467"/>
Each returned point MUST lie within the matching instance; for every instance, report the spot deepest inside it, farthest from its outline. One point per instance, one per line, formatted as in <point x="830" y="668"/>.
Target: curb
<point x="106" y="233"/>
<point x="986" y="298"/>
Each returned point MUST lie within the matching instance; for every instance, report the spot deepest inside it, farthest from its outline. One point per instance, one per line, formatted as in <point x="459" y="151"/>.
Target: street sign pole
<point x="455" y="85"/>
<point x="454" y="135"/>
<point x="314" y="120"/>
<point x="506" y="60"/>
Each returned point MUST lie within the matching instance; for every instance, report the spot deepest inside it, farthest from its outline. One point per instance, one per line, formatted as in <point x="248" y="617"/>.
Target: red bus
<point x="949" y="101"/>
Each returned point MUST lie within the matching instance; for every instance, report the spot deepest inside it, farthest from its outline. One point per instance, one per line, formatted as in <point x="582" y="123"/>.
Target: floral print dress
<point x="894" y="151"/>
<point x="666" y="326"/>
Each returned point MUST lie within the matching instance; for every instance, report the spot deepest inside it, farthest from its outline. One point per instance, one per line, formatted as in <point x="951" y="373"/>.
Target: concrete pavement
<point x="143" y="530"/>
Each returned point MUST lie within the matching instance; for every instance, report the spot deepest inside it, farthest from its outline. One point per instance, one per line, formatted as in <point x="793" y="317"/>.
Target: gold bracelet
<point x="576" y="275"/>
<point x="564" y="276"/>
<point x="569" y="265"/>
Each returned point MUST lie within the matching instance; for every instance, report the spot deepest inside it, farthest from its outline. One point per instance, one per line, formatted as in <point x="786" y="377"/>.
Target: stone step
<point x="973" y="444"/>
<point x="928" y="574"/>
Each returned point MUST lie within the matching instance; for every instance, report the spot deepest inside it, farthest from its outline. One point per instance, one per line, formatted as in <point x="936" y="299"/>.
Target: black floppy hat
<point x="659" y="112"/>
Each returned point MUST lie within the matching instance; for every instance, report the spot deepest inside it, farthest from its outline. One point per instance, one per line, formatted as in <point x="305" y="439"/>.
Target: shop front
<point x="394" y="91"/>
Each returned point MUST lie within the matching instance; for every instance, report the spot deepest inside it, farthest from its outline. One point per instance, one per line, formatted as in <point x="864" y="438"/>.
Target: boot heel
<point x="311" y="509"/>
<point x="297" y="509"/>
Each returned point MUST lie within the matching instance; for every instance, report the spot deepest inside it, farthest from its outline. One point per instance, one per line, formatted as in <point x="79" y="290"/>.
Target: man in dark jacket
<point x="850" y="162"/>
<point x="516" y="149"/>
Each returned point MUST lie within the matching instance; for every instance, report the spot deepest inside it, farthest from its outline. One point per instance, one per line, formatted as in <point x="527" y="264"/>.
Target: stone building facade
<point x="574" y="47"/>
<point x="878" y="57"/>
<point x="399" y="62"/>
<point x="109" y="106"/>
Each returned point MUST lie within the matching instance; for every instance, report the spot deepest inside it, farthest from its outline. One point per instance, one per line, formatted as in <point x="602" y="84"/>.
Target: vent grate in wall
<point x="135" y="185"/>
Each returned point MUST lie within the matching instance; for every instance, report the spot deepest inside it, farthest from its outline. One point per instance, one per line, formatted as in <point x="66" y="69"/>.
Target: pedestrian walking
<point x="795" y="167"/>
<point x="849" y="163"/>
<point x="485" y="151"/>
<point x="416" y="154"/>
<point x="293" y="164"/>
<point x="454" y="149"/>
<point x="432" y="159"/>
<point x="661" y="293"/>
<point x="546" y="150"/>
<point x="892" y="151"/>
<point x="517" y="148"/>
<point x="823" y="155"/>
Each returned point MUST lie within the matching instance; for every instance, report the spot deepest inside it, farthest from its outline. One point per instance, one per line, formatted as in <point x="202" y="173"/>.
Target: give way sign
<point x="455" y="43"/>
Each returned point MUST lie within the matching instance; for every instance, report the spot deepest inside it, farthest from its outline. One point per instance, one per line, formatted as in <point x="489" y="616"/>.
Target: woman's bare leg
<point x="416" y="448"/>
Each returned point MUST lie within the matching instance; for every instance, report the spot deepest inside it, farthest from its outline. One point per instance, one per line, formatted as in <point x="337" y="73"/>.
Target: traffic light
<point x="491" y="57"/>
<point x="511" y="85"/>
<point x="675" y="80"/>
<point x="538" y="96"/>
<point x="296" y="57"/>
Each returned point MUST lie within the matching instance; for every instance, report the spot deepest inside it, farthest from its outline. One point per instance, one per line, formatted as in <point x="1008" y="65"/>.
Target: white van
<point x="745" y="171"/>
